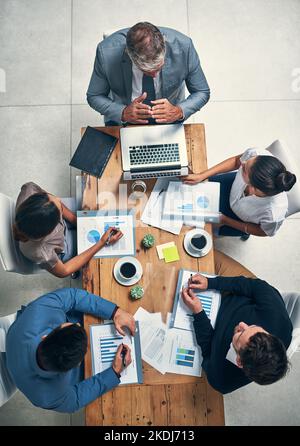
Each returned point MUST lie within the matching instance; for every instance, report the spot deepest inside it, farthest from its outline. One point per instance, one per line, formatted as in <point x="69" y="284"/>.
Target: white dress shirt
<point x="137" y="83"/>
<point x="232" y="355"/>
<point x="268" y="212"/>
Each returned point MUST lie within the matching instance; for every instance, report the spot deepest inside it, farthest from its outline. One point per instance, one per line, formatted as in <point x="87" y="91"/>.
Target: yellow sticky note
<point x="171" y="254"/>
<point x="160" y="248"/>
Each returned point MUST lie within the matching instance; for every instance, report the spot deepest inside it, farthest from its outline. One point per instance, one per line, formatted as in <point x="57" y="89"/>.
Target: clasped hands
<point x="162" y="111"/>
<point x="196" y="282"/>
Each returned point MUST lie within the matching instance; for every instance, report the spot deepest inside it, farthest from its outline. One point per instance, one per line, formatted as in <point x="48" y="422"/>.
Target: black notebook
<point x="93" y="152"/>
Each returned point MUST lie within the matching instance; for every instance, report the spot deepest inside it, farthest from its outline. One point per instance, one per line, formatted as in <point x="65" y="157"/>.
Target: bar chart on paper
<point x="181" y="315"/>
<point x="206" y="300"/>
<point x="108" y="349"/>
<point x="185" y="357"/>
<point x="181" y="354"/>
<point x="105" y="341"/>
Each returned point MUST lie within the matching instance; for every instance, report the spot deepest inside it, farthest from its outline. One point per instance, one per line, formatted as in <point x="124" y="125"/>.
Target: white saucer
<point x="187" y="242"/>
<point x="135" y="278"/>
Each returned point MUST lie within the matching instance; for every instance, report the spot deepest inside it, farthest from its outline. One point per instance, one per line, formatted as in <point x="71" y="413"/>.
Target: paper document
<point x="182" y="355"/>
<point x="182" y="316"/>
<point x="197" y="202"/>
<point x="153" y="333"/>
<point x="153" y="211"/>
<point x="91" y="225"/>
<point x="105" y="341"/>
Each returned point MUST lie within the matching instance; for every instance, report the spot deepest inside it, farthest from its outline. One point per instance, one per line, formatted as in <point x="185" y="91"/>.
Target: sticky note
<point x="171" y="254"/>
<point x="160" y="248"/>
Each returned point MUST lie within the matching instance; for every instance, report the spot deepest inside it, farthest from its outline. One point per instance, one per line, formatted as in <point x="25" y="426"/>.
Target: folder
<point x="93" y="152"/>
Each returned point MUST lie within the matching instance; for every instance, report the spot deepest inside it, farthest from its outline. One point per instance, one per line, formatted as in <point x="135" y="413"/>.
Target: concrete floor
<point x="249" y="50"/>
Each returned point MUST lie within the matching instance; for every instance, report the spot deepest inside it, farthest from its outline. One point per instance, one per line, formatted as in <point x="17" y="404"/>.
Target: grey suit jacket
<point x="110" y="86"/>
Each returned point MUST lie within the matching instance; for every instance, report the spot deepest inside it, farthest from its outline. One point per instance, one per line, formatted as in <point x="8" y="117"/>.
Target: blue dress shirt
<point x="63" y="392"/>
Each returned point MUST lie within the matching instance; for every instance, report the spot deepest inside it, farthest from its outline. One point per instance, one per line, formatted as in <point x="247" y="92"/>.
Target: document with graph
<point x="105" y="341"/>
<point x="200" y="201"/>
<point x="91" y="225"/>
<point x="181" y="315"/>
<point x="182" y="355"/>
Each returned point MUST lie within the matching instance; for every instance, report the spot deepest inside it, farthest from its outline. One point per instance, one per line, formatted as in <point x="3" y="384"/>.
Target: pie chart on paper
<point x="93" y="236"/>
<point x="203" y="202"/>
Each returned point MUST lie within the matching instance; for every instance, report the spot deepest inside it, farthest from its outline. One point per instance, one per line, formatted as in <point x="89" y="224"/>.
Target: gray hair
<point x="145" y="46"/>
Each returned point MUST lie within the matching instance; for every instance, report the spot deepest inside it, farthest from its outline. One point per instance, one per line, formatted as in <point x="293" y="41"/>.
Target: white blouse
<point x="268" y="212"/>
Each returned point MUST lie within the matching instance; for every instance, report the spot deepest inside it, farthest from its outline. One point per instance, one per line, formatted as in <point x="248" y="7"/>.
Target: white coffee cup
<point x="127" y="271"/>
<point x="198" y="242"/>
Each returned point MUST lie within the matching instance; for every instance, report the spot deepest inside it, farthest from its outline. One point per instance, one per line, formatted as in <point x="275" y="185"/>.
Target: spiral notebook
<point x="93" y="152"/>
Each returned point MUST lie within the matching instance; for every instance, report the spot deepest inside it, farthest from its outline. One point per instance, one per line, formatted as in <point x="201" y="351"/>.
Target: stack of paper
<point x="163" y="194"/>
<point x="168" y="350"/>
<point x="153" y="211"/>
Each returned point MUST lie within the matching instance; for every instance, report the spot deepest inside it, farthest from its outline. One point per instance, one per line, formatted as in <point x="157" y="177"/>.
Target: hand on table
<point x="118" y="364"/>
<point x="164" y="112"/>
<point x="124" y="319"/>
<point x="137" y="112"/>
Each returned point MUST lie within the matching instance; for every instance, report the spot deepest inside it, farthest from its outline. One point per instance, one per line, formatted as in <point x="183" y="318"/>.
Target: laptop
<point x="153" y="151"/>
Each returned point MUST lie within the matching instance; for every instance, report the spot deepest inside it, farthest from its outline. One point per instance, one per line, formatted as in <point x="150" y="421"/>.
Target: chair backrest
<point x="292" y="303"/>
<point x="281" y="150"/>
<point x="11" y="258"/>
<point x="7" y="385"/>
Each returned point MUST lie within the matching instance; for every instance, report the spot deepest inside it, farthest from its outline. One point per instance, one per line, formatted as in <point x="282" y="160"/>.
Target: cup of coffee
<point x="127" y="271"/>
<point x="198" y="242"/>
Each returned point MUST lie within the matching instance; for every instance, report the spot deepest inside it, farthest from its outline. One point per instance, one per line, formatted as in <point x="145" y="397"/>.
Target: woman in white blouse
<point x="253" y="200"/>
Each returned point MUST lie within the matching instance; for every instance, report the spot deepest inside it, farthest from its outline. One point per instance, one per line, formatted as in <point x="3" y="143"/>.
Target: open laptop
<point x="153" y="151"/>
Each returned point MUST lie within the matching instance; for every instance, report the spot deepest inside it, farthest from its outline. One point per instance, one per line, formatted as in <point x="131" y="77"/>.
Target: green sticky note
<point x="171" y="254"/>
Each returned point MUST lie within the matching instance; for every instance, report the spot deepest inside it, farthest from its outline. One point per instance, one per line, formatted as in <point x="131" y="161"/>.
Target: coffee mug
<point x="127" y="271"/>
<point x="198" y="242"/>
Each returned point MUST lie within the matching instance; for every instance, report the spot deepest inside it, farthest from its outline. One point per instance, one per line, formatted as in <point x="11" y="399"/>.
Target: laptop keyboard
<point x="154" y="154"/>
<point x="145" y="176"/>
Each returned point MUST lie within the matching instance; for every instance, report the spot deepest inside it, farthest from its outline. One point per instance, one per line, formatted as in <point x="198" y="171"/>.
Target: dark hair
<point x="270" y="176"/>
<point x="37" y="216"/>
<point x="264" y="359"/>
<point x="63" y="349"/>
<point x="145" y="44"/>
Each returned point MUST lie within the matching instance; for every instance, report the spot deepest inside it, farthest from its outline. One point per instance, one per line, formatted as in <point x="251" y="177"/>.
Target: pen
<point x="123" y="354"/>
<point x="110" y="236"/>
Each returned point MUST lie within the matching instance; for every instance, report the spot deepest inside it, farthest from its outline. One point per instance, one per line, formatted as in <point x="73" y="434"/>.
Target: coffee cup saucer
<point x="135" y="278"/>
<point x="187" y="242"/>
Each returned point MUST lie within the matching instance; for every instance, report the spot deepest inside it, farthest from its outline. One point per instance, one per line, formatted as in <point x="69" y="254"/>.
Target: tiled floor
<point x="249" y="50"/>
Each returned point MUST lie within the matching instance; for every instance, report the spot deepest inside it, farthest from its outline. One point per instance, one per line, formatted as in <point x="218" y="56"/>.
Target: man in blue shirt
<point x="46" y="344"/>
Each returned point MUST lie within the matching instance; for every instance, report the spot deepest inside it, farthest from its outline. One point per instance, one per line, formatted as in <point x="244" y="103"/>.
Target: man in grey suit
<point x="140" y="74"/>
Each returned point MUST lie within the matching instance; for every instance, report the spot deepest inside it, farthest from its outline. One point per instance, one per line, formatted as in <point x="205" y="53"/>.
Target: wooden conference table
<point x="163" y="400"/>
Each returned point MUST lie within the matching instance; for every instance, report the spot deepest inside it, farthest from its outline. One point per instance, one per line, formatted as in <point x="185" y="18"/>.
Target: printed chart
<point x="91" y="225"/>
<point x="105" y="341"/>
<point x="182" y="355"/>
<point x="181" y="316"/>
<point x="198" y="201"/>
<point x="185" y="357"/>
<point x="108" y="348"/>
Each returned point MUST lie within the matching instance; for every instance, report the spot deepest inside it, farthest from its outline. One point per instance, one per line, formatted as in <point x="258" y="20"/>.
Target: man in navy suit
<point x="140" y="75"/>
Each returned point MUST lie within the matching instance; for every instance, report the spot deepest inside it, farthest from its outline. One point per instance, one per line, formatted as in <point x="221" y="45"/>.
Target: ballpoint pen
<point x="113" y="232"/>
<point x="123" y="354"/>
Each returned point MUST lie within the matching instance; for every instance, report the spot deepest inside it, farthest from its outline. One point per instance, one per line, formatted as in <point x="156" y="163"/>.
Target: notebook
<point x="93" y="152"/>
